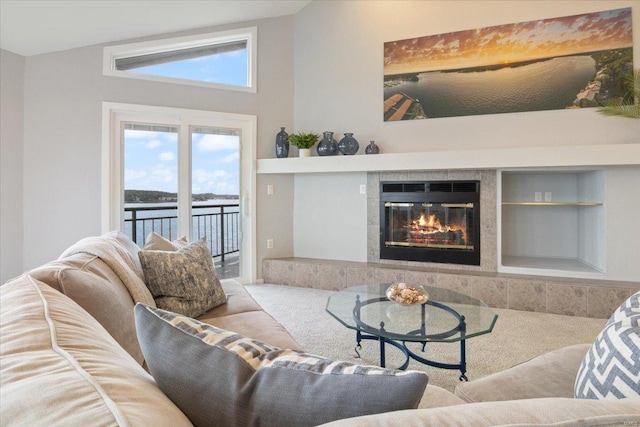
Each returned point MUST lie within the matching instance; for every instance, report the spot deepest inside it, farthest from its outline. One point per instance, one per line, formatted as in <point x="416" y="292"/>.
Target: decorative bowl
<point x="404" y="294"/>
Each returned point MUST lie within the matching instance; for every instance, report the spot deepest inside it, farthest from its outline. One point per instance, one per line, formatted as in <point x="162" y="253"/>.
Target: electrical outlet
<point x="270" y="189"/>
<point x="363" y="188"/>
<point x="269" y="243"/>
<point x="538" y="196"/>
<point x="547" y="196"/>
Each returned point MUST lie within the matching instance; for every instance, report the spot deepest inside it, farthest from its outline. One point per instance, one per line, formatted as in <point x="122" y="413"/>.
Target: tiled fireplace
<point x="558" y="295"/>
<point x="483" y="224"/>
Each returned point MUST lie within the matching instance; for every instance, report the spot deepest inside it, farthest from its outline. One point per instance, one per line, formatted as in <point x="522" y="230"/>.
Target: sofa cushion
<point x="611" y="368"/>
<point x="183" y="281"/>
<point x="92" y="284"/>
<point x="257" y="325"/>
<point x="61" y="368"/>
<point x="218" y="377"/>
<point x="549" y="375"/>
<point x="131" y="247"/>
<point x="556" y="412"/>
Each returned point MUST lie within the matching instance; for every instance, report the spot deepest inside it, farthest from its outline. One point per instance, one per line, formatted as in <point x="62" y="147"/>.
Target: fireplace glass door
<point x="429" y="225"/>
<point x="436" y="221"/>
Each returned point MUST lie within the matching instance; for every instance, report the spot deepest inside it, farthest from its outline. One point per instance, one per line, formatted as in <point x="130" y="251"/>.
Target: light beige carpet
<point x="518" y="336"/>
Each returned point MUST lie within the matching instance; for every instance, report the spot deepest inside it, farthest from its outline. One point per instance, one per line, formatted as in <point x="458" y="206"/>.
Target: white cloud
<point x="218" y="142"/>
<point x="161" y="178"/>
<point x="154" y="143"/>
<point x="231" y="158"/>
<point x="132" y="177"/>
<point x="166" y="156"/>
<point x="165" y="175"/>
<point x="216" y="181"/>
<point x="136" y="134"/>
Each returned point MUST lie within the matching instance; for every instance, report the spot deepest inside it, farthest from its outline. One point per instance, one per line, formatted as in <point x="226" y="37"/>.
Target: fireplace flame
<point x="430" y="225"/>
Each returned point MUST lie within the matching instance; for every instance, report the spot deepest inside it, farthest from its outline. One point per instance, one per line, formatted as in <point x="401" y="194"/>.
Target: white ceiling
<point x="30" y="27"/>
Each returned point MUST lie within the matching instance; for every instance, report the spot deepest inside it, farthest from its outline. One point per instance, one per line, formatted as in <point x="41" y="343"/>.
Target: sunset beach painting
<point x="567" y="62"/>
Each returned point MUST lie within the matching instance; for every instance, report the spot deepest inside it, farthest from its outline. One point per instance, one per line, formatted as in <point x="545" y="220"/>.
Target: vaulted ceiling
<point x="31" y="27"/>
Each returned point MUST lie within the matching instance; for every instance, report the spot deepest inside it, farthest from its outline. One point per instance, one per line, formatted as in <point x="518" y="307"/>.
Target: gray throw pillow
<point x="218" y="377"/>
<point x="611" y="368"/>
<point x="183" y="281"/>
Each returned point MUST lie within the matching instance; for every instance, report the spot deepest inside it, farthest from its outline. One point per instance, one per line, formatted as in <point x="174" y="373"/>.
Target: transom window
<point x="223" y="60"/>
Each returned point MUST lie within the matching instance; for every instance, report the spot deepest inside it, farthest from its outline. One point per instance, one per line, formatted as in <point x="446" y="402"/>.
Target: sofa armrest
<point x="552" y="374"/>
<point x="529" y="412"/>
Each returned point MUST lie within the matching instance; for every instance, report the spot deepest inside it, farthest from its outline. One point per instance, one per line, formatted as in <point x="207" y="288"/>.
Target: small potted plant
<point x="304" y="141"/>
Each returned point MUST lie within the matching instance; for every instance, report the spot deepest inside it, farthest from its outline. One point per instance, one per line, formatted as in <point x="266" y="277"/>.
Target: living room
<point x="301" y="89"/>
<point x="320" y="69"/>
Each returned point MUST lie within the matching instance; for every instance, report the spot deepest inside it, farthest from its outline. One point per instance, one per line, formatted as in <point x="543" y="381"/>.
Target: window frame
<point x="250" y="34"/>
<point x="112" y="176"/>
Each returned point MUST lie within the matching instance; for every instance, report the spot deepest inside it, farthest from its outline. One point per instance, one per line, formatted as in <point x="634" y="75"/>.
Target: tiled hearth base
<point x="571" y="297"/>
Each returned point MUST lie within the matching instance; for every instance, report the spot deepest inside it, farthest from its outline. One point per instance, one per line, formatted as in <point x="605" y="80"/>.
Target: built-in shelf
<point x="498" y="158"/>
<point x="569" y="265"/>
<point x="551" y="204"/>
<point x="564" y="235"/>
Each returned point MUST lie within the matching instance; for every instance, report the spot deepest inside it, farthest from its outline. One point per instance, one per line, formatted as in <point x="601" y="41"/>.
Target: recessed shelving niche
<point x="553" y="222"/>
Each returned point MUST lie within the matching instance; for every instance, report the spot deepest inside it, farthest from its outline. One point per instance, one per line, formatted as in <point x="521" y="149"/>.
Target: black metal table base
<point x="402" y="346"/>
<point x="460" y="328"/>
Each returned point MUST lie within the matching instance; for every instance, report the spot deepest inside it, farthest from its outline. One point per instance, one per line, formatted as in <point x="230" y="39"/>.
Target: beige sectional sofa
<point x="70" y="356"/>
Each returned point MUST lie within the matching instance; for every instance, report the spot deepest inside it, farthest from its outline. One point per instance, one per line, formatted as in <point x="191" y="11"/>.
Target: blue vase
<point x="372" y="148"/>
<point x="282" y="144"/>
<point x="348" y="145"/>
<point x="328" y="146"/>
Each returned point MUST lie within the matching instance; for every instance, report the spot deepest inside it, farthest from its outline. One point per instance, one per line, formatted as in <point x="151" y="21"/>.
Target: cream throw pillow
<point x="156" y="242"/>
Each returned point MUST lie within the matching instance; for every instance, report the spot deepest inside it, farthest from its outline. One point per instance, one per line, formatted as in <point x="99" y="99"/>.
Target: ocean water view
<point x="546" y="85"/>
<point x="217" y="220"/>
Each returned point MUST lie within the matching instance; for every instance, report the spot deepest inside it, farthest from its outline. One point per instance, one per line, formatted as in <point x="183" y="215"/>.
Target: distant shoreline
<point x="151" y="196"/>
<point x="413" y="76"/>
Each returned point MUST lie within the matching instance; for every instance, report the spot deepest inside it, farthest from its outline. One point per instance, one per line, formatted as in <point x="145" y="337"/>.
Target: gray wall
<point x="339" y="87"/>
<point x="11" y="131"/>
<point x="63" y="99"/>
<point x="339" y="76"/>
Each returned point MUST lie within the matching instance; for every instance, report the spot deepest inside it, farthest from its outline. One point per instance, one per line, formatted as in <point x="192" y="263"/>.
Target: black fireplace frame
<point x="431" y="192"/>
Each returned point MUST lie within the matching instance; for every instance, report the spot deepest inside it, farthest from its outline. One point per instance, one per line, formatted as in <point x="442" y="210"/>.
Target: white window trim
<point x="112" y="198"/>
<point x="111" y="53"/>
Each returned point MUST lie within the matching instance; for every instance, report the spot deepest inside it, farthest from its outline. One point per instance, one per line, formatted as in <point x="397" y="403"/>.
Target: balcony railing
<point x="218" y="223"/>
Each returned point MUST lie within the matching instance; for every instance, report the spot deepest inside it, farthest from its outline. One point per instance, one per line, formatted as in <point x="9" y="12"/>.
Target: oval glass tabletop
<point x="447" y="316"/>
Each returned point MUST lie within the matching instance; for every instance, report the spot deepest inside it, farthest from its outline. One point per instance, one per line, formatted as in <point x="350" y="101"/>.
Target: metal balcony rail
<point x="219" y="224"/>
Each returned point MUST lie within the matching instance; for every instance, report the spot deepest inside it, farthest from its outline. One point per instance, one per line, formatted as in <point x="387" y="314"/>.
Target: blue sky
<point x="151" y="162"/>
<point x="151" y="158"/>
<point x="227" y="68"/>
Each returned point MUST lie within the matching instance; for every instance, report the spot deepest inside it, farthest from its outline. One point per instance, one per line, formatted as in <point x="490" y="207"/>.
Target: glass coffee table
<point x="447" y="316"/>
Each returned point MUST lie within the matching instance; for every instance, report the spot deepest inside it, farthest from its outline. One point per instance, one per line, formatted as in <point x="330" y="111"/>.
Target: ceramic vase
<point x="304" y="152"/>
<point x="348" y="145"/>
<point x="282" y="144"/>
<point x="328" y="146"/>
<point x="372" y="148"/>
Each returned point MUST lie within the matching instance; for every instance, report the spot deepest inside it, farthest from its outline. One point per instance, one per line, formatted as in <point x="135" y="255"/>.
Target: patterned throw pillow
<point x="183" y="281"/>
<point x="611" y="368"/>
<point x="218" y="377"/>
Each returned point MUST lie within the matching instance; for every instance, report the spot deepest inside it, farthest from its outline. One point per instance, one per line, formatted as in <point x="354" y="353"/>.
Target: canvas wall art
<point x="557" y="63"/>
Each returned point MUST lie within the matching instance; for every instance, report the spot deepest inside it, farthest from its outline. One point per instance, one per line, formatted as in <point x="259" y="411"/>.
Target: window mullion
<point x="184" y="181"/>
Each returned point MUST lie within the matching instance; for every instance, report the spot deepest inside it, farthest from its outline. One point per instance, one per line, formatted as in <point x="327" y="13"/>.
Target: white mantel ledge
<point x="498" y="158"/>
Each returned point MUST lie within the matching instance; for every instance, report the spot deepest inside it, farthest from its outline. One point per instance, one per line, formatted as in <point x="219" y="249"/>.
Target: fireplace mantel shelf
<point x="498" y="158"/>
